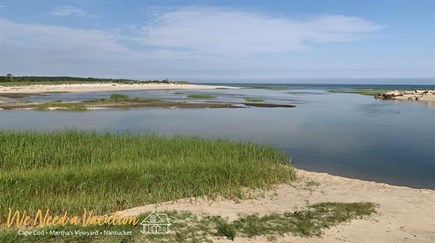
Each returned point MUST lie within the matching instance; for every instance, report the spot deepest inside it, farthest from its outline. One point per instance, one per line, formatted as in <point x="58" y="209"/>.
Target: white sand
<point x="404" y="214"/>
<point x="102" y="87"/>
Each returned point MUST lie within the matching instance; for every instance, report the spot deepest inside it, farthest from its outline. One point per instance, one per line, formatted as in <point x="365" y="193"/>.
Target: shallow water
<point x="343" y="134"/>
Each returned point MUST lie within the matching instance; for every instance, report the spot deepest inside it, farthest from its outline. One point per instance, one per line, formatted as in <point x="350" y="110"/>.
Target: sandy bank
<point x="427" y="96"/>
<point x="404" y="214"/>
<point x="103" y="87"/>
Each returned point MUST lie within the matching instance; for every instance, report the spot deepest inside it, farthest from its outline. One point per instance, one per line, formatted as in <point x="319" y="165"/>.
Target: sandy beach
<point x="102" y="87"/>
<point x="404" y="214"/>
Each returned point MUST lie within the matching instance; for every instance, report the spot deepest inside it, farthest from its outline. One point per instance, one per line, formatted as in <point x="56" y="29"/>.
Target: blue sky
<point x="219" y="40"/>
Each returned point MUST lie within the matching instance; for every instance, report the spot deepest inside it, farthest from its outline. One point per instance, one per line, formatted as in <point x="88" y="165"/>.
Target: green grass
<point x="226" y="229"/>
<point x="201" y="96"/>
<point x="309" y="222"/>
<point x="369" y="92"/>
<point x="188" y="227"/>
<point x="83" y="106"/>
<point x="270" y="87"/>
<point x="118" y="97"/>
<point x="27" y="83"/>
<point x="179" y="93"/>
<point x="56" y="80"/>
<point x="253" y="99"/>
<point x="74" y="170"/>
<point x="60" y="106"/>
<point x="121" y="98"/>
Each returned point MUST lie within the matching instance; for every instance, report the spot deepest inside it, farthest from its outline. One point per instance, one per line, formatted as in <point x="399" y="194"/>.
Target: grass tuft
<point x="74" y="170"/>
<point x="369" y="92"/>
<point x="253" y="99"/>
<point x="270" y="87"/>
<point x="60" y="106"/>
<point x="226" y="229"/>
<point x="118" y="97"/>
<point x="188" y="227"/>
<point x="201" y="96"/>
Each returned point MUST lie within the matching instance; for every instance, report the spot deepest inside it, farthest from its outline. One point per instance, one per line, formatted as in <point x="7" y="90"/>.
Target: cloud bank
<point x="223" y="31"/>
<point x="179" y="43"/>
<point x="69" y="10"/>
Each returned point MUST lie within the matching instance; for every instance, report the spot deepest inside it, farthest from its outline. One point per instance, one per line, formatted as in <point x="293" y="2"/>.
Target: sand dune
<point x="101" y="87"/>
<point x="404" y="214"/>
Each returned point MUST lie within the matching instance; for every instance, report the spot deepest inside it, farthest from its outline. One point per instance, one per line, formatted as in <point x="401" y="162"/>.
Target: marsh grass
<point x="309" y="222"/>
<point x="57" y="105"/>
<point x="71" y="170"/>
<point x="253" y="99"/>
<point x="118" y="97"/>
<point x="201" y="96"/>
<point x="369" y="92"/>
<point x="189" y="227"/>
<point x="27" y="83"/>
<point x="270" y="87"/>
<point x="121" y="98"/>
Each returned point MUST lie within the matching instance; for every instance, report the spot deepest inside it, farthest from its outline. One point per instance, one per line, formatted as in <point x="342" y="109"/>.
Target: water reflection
<point x="343" y="134"/>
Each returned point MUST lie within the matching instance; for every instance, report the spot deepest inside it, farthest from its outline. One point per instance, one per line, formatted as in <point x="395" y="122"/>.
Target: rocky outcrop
<point x="416" y="95"/>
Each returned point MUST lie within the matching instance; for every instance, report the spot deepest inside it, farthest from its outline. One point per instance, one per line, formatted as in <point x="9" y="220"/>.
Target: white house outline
<point x="155" y="223"/>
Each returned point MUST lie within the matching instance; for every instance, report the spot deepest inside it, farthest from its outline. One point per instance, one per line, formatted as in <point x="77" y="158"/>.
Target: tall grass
<point x="70" y="170"/>
<point x="201" y="96"/>
<point x="254" y="99"/>
<point x="369" y="92"/>
<point x="189" y="227"/>
<point x="60" y="106"/>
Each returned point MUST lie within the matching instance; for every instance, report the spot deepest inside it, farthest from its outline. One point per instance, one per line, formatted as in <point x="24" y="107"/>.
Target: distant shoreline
<point x="95" y="87"/>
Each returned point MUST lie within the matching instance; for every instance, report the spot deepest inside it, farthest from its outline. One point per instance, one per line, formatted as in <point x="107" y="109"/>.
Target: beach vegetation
<point x="118" y="97"/>
<point x="62" y="106"/>
<point x="369" y="92"/>
<point x="121" y="98"/>
<point x="76" y="169"/>
<point x="54" y="80"/>
<point x="268" y="105"/>
<point x="189" y="227"/>
<point x="270" y="87"/>
<point x="201" y="96"/>
<point x="253" y="99"/>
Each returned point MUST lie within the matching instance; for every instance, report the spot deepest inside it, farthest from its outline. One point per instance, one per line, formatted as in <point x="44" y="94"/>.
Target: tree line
<point x="60" y="79"/>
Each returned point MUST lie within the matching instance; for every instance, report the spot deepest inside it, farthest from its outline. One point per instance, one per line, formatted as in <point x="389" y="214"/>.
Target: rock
<point x="397" y="93"/>
<point x="393" y="93"/>
<point x="416" y="95"/>
<point x="381" y="96"/>
<point x="421" y="91"/>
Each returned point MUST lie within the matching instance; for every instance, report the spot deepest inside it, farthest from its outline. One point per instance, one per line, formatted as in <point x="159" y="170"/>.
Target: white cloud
<point x="69" y="10"/>
<point x="214" y="30"/>
<point x="36" y="48"/>
<point x="185" y="43"/>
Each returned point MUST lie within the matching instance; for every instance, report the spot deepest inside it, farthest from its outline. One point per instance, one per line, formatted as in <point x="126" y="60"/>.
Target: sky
<point x="220" y="41"/>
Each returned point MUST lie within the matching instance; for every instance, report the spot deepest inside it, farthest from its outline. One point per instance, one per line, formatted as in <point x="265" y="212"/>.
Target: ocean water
<point x="350" y="135"/>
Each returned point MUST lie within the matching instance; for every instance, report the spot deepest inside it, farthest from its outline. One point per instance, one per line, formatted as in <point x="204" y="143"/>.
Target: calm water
<point x="342" y="134"/>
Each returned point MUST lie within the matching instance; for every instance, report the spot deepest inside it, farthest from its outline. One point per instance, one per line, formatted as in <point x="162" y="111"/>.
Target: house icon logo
<point x="155" y="223"/>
